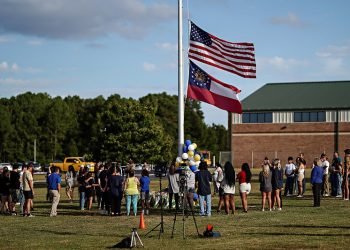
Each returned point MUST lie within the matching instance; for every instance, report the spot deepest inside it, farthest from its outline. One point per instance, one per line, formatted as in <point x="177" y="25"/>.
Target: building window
<point x="257" y="118"/>
<point x="312" y="116"/>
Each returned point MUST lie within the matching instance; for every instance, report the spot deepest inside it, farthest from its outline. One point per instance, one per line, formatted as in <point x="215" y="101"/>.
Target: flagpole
<point x="180" y="82"/>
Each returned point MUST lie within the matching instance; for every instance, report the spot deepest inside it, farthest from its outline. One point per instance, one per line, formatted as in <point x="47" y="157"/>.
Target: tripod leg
<point x="194" y="219"/>
<point x="132" y="240"/>
<point x="138" y="237"/>
<point x="183" y="214"/>
<point x="172" y="233"/>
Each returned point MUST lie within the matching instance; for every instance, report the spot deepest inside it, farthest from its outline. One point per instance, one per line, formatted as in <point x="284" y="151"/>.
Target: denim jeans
<point x="133" y="199"/>
<point x="339" y="183"/>
<point x="82" y="200"/>
<point x="207" y="199"/>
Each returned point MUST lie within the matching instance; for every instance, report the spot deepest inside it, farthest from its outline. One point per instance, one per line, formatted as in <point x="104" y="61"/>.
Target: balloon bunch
<point x="190" y="156"/>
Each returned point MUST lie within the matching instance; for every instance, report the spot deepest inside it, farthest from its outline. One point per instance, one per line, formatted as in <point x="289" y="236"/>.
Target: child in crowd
<point x="144" y="183"/>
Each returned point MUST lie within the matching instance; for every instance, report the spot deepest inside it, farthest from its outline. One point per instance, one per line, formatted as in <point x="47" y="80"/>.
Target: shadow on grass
<point x="298" y="234"/>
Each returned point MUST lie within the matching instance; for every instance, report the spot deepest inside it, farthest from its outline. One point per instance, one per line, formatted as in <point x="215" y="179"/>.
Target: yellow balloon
<point x="197" y="157"/>
<point x="194" y="145"/>
<point x="190" y="153"/>
<point x="177" y="164"/>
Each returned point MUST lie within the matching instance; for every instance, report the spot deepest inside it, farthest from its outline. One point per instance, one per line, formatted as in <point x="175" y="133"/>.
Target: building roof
<point x="299" y="96"/>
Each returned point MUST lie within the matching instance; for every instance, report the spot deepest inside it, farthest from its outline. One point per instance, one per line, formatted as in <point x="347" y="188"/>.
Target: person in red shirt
<point x="244" y="177"/>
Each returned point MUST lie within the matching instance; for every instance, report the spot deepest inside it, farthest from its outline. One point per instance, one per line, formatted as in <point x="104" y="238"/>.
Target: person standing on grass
<point x="173" y="187"/>
<point x="131" y="191"/>
<point x="346" y="176"/>
<point x="277" y="184"/>
<point x="105" y="202"/>
<point x="325" y="165"/>
<point x="265" y="177"/>
<point x="144" y="183"/>
<point x="82" y="184"/>
<point x="5" y="196"/>
<point x="28" y="190"/>
<point x="244" y="177"/>
<point x="228" y="186"/>
<point x="203" y="179"/>
<point x="115" y="183"/>
<point x="89" y="187"/>
<point x="301" y="176"/>
<point x="54" y="186"/>
<point x="317" y="174"/>
<point x="70" y="179"/>
<point x="218" y="176"/>
<point x="14" y="188"/>
<point x="21" y="194"/>
<point x="289" y="172"/>
<point x="217" y="173"/>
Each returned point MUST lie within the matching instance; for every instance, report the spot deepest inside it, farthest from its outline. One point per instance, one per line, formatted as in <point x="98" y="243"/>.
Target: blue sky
<point x="90" y="48"/>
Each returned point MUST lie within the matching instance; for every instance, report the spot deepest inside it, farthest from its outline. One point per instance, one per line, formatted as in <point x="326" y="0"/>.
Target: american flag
<point x="237" y="58"/>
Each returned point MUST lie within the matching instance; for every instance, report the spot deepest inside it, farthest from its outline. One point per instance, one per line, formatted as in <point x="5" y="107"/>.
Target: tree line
<point x="101" y="129"/>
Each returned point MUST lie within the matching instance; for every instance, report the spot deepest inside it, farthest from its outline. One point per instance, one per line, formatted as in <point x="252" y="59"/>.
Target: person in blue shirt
<point x="144" y="183"/>
<point x="54" y="186"/>
<point x="316" y="181"/>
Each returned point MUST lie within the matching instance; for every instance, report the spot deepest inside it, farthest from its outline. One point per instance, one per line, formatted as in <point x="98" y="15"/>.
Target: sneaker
<point x="300" y="196"/>
<point x="30" y="215"/>
<point x="147" y="212"/>
<point x="262" y="209"/>
<point x="326" y="195"/>
<point x="279" y="209"/>
<point x="339" y="196"/>
<point x="270" y="209"/>
<point x="289" y="195"/>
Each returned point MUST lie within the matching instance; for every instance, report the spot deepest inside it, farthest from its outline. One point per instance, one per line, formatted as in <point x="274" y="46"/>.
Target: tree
<point x="133" y="132"/>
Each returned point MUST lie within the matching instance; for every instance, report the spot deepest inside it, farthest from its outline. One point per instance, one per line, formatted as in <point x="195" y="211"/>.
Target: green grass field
<point x="297" y="226"/>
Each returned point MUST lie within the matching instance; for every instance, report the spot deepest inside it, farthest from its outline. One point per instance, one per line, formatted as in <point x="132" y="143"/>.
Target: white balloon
<point x="178" y="159"/>
<point x="191" y="158"/>
<point x="191" y="147"/>
<point x="197" y="163"/>
<point x="192" y="163"/>
<point x="185" y="156"/>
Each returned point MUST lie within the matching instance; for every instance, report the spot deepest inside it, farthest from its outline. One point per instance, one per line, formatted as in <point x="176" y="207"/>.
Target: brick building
<point x="285" y="119"/>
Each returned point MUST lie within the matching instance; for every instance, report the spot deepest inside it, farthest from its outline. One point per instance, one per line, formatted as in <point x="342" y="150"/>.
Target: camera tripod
<point x="135" y="235"/>
<point x="161" y="223"/>
<point x="184" y="201"/>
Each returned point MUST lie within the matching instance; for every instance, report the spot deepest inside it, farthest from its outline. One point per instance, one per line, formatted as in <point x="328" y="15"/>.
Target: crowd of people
<point x="107" y="186"/>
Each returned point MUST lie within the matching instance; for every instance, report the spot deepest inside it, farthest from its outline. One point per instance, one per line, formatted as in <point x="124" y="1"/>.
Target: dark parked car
<point x="161" y="169"/>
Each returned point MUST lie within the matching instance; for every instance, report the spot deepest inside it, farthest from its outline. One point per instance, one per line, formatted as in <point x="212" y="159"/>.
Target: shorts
<point x="245" y="187"/>
<point x="221" y="192"/>
<point x="145" y="195"/>
<point x="28" y="195"/>
<point x="14" y="195"/>
<point x="300" y="177"/>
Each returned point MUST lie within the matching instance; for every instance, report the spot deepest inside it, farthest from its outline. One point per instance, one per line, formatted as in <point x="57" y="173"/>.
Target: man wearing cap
<point x="54" y="186"/>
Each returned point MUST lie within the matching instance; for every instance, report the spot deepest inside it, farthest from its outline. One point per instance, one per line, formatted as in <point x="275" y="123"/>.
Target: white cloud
<point x="148" y="66"/>
<point x="167" y="46"/>
<point x="15" y="68"/>
<point x="334" y="51"/>
<point x="4" y="67"/>
<point x="35" y="42"/>
<point x="280" y="63"/>
<point x="5" y="39"/>
<point x="80" y="19"/>
<point x="291" y="19"/>
<point x="334" y="60"/>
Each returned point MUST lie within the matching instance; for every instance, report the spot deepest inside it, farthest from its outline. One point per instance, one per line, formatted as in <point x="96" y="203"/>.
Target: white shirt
<point x="325" y="165"/>
<point x="289" y="169"/>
